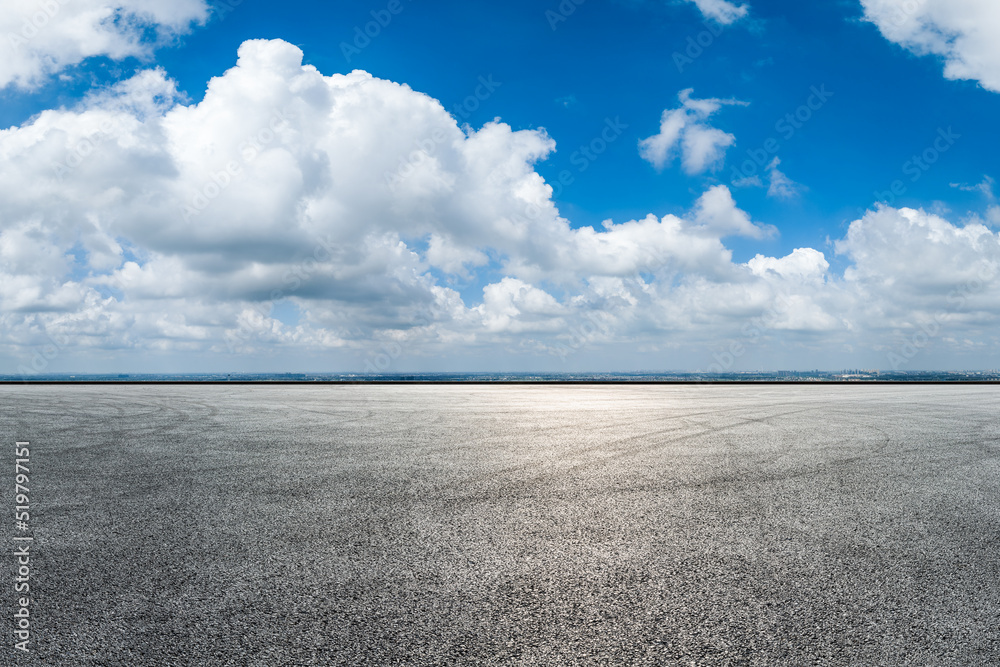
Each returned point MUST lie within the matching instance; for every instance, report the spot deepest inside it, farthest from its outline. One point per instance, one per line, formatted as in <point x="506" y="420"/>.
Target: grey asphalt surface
<point x="520" y="525"/>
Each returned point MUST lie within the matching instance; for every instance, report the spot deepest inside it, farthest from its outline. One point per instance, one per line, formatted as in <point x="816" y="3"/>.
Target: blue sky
<point x="831" y="161"/>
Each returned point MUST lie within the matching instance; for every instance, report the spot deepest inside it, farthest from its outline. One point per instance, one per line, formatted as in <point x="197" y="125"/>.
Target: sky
<point x="418" y="185"/>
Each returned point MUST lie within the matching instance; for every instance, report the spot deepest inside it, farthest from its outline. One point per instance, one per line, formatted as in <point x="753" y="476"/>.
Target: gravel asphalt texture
<point x="519" y="525"/>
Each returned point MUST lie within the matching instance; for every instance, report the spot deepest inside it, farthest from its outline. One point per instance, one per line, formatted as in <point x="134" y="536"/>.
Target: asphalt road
<point x="520" y="525"/>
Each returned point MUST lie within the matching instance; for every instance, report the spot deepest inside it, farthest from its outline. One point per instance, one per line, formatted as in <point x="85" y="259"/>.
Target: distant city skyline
<point x="397" y="187"/>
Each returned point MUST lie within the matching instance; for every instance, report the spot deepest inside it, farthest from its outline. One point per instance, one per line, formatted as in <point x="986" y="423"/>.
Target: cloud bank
<point x="348" y="216"/>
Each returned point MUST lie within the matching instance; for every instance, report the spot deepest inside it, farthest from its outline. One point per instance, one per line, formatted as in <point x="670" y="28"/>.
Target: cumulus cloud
<point x="513" y="306"/>
<point x="962" y="32"/>
<point x="721" y="10"/>
<point x="918" y="256"/>
<point x="138" y="223"/>
<point x="216" y="210"/>
<point x="914" y="273"/>
<point x="44" y="38"/>
<point x="803" y="264"/>
<point x="684" y="131"/>
<point x="716" y="212"/>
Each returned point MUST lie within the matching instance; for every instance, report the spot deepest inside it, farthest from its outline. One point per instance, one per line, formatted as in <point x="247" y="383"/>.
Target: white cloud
<point x="914" y="272"/>
<point x="684" y="131"/>
<point x="962" y="32"/>
<point x="722" y="11"/>
<point x="985" y="187"/>
<point x="716" y="212"/>
<point x="803" y="264"/>
<point x="136" y="224"/>
<point x="779" y="185"/>
<point x="917" y="256"/>
<point x="43" y="38"/>
<point x="215" y="207"/>
<point x="513" y="306"/>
